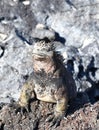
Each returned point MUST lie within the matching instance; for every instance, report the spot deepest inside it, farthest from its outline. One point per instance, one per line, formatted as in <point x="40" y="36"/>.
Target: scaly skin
<point x="51" y="81"/>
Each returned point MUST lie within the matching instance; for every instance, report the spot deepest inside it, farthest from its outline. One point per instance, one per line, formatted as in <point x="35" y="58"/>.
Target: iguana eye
<point x="41" y="59"/>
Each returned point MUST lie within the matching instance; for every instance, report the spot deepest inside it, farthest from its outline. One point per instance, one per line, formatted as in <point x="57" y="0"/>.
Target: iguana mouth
<point x="41" y="57"/>
<point x="43" y="53"/>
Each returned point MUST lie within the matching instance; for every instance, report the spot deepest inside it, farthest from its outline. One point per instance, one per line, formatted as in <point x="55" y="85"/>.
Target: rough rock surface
<point x="74" y="23"/>
<point x="86" y="118"/>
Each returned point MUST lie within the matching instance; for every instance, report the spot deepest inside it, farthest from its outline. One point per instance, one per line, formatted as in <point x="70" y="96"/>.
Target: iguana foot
<point x="55" y="119"/>
<point x="23" y="110"/>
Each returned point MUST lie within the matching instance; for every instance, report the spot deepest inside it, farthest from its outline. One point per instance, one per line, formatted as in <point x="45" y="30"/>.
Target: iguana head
<point x="43" y="49"/>
<point x="43" y="56"/>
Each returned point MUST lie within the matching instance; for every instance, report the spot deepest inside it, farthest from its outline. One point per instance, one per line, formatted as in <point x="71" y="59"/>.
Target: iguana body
<point x="51" y="82"/>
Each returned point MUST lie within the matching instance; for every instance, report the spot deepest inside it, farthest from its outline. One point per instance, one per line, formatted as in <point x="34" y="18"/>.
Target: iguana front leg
<point x="26" y="93"/>
<point x="60" y="109"/>
<point x="61" y="106"/>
